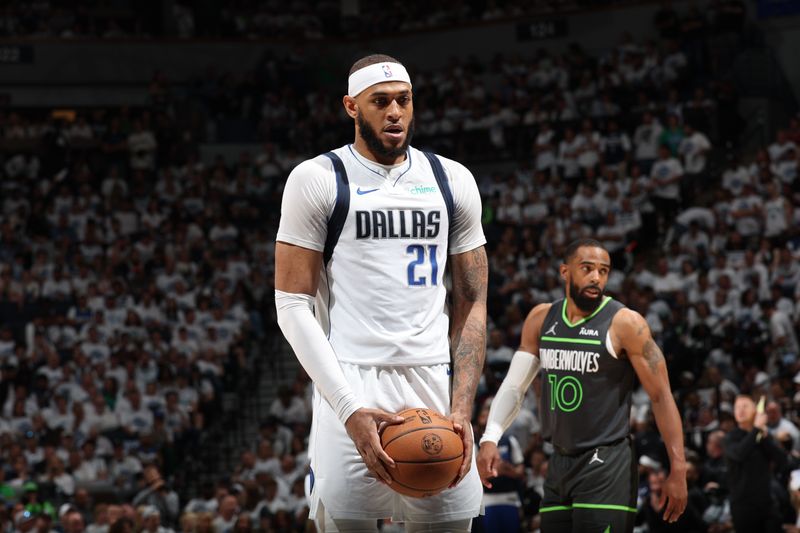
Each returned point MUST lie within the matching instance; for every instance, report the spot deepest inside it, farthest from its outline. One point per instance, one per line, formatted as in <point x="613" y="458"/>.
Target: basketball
<point x="426" y="450"/>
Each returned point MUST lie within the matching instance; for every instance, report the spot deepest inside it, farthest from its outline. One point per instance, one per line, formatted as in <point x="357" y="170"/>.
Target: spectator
<point x="780" y="428"/>
<point x="72" y="522"/>
<point x="615" y="146"/>
<point x="498" y="351"/>
<point x="590" y="142"/>
<point x="646" y="141"/>
<point x="666" y="175"/>
<point x="151" y="520"/>
<point x="228" y="513"/>
<point x="694" y="148"/>
<point x="783" y="334"/>
<point x="142" y="147"/>
<point x="783" y="156"/>
<point x="714" y="468"/>
<point x="272" y="502"/>
<point x="750" y="451"/>
<point x="57" y="475"/>
<point x="746" y="212"/>
<point x="135" y="418"/>
<point x="155" y="493"/>
<point x="569" y="150"/>
<point x="778" y="215"/>
<point x="544" y="149"/>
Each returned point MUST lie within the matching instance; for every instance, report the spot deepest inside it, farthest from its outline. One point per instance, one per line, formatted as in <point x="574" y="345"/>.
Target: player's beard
<point x="374" y="143"/>
<point x="587" y="304"/>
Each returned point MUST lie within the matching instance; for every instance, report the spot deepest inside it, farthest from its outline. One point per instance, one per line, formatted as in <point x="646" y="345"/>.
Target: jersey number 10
<point x="558" y="393"/>
<point x="419" y="251"/>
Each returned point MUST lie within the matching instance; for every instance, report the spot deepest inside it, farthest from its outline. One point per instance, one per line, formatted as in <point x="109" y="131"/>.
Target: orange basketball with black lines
<point x="426" y="450"/>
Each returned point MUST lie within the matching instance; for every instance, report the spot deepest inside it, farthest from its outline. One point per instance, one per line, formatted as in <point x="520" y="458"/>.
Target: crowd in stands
<point x="134" y="276"/>
<point x="252" y="19"/>
<point x="132" y="285"/>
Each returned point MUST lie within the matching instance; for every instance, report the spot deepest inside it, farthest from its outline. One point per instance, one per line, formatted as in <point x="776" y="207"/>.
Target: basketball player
<point x="365" y="235"/>
<point x="589" y="346"/>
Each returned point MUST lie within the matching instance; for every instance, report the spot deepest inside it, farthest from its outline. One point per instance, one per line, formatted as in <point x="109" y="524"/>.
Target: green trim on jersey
<point x="574" y="341"/>
<point x="605" y="507"/>
<point x="555" y="508"/>
<point x="584" y="319"/>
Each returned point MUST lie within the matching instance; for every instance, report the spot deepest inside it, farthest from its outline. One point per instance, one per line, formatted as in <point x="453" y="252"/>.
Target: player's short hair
<point x="371" y="60"/>
<point x="572" y="249"/>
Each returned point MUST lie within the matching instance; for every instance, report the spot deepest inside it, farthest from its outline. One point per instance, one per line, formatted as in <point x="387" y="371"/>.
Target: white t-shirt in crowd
<point x="734" y="179"/>
<point x="779" y="151"/>
<point x="546" y="157"/>
<point x="747" y="225"/>
<point x="590" y="155"/>
<point x="665" y="169"/>
<point x="780" y="326"/>
<point x="645" y="140"/>
<point x="568" y="156"/>
<point x="142" y="146"/>
<point x="693" y="149"/>
<point x="612" y="236"/>
<point x="775" y="221"/>
<point x="669" y="282"/>
<point x="535" y="212"/>
<point x="295" y="413"/>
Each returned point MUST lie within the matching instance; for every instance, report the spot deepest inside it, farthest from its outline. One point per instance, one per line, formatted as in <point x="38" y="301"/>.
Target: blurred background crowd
<point x="251" y="19"/>
<point x="144" y="382"/>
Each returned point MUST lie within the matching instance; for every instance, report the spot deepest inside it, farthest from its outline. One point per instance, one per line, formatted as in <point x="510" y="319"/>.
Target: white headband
<point x="376" y="73"/>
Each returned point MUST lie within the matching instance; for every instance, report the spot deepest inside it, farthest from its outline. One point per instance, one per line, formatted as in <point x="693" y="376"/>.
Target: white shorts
<point x="340" y="475"/>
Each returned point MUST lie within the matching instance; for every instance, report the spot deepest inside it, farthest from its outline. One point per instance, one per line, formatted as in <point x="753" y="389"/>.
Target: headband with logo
<point x="376" y="73"/>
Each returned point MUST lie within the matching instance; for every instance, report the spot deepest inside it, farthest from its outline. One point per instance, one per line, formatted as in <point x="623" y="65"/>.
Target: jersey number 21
<point x="419" y="253"/>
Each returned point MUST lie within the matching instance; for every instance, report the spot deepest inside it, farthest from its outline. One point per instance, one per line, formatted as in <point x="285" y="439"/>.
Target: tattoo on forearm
<point x="470" y="279"/>
<point x="468" y="355"/>
<point x="653" y="355"/>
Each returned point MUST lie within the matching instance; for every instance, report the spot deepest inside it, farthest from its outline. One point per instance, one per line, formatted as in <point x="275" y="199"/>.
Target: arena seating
<point x="136" y="278"/>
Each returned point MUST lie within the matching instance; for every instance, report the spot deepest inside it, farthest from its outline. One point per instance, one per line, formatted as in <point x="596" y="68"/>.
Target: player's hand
<point x="674" y="495"/>
<point x="760" y="422"/>
<point x="488" y="459"/>
<point x="362" y="427"/>
<point x="463" y="426"/>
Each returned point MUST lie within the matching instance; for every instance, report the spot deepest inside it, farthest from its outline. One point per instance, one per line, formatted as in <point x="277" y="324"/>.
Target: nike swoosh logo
<point x="359" y="191"/>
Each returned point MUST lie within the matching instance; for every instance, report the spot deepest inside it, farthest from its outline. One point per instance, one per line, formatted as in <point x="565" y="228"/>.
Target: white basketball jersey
<point x="381" y="297"/>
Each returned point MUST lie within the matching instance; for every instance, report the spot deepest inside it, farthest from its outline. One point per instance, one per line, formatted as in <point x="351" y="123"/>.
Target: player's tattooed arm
<point x="467" y="343"/>
<point x="653" y="356"/>
<point x="468" y="328"/>
<point x="631" y="335"/>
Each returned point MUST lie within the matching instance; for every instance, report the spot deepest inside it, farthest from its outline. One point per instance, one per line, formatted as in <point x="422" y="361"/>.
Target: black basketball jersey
<point x="586" y="391"/>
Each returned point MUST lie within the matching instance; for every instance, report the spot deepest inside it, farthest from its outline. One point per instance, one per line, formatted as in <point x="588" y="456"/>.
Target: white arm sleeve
<point x="507" y="401"/>
<point x="301" y="329"/>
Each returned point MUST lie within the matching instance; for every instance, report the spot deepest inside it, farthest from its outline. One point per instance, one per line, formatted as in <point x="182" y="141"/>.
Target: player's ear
<point x="563" y="271"/>
<point x="350" y="105"/>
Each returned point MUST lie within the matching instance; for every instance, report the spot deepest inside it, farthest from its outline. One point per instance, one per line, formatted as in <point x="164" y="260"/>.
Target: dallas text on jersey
<point x="397" y="224"/>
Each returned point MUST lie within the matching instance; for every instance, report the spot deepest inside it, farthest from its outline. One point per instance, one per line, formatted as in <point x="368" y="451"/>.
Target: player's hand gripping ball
<point x="426" y="451"/>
